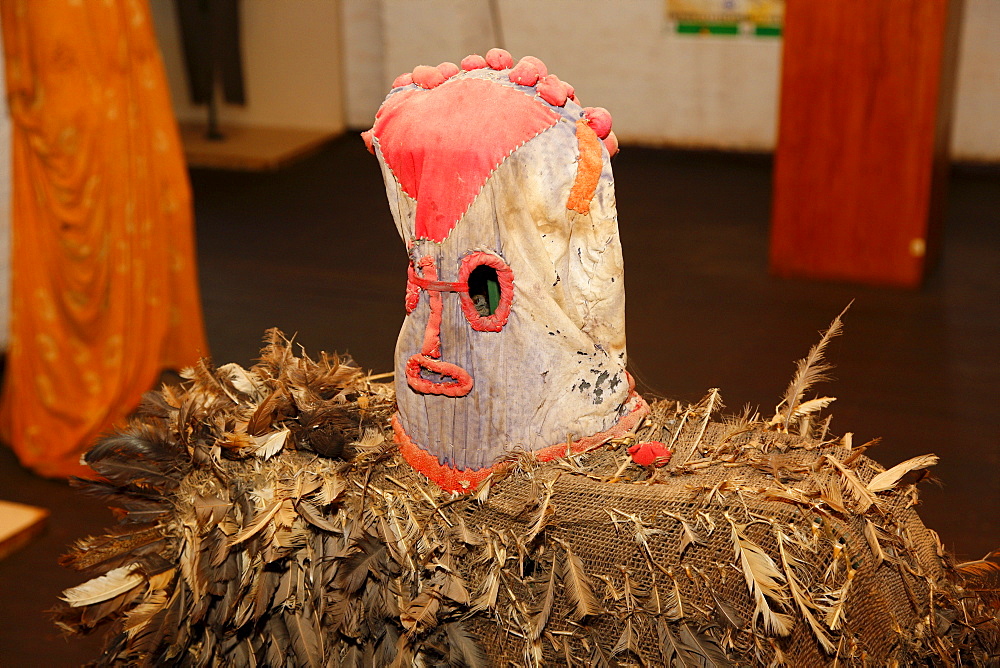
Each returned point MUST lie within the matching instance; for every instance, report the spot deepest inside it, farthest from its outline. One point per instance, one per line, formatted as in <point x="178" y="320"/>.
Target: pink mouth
<point x="459" y="385"/>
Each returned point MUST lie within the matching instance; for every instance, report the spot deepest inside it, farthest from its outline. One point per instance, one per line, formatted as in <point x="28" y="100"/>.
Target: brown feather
<point x="808" y="371"/>
<point x="578" y="588"/>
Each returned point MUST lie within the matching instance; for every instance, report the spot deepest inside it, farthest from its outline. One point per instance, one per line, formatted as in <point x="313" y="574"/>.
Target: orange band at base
<point x="465" y="481"/>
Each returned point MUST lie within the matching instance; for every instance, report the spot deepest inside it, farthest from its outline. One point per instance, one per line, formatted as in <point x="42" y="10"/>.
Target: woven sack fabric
<point x="267" y="519"/>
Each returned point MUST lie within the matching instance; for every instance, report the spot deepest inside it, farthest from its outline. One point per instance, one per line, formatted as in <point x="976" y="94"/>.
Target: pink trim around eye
<point x="505" y="275"/>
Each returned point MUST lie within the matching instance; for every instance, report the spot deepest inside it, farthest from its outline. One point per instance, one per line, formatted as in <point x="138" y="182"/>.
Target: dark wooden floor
<point x="312" y="250"/>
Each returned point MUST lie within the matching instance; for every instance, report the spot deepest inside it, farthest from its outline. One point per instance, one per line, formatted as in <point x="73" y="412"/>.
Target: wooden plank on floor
<point x="250" y="148"/>
<point x="19" y="523"/>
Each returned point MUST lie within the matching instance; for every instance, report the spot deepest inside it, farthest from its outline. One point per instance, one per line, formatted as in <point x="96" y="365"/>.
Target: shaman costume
<point x="298" y="513"/>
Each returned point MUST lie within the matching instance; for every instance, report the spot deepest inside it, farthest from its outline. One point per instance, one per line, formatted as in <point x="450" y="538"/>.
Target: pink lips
<point x="459" y="386"/>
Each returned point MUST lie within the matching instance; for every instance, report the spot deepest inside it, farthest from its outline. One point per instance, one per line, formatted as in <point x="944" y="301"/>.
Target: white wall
<point x="661" y="88"/>
<point x="364" y="79"/>
<point x="975" y="133"/>
<point x="291" y="59"/>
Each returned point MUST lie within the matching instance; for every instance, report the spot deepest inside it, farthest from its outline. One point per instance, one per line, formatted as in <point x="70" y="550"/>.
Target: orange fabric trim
<point x="588" y="169"/>
<point x="105" y="291"/>
<point x="450" y="479"/>
<point x="430" y="351"/>
<point x="432" y="332"/>
<point x="628" y="422"/>
<point x="460" y="387"/>
<point x="465" y="481"/>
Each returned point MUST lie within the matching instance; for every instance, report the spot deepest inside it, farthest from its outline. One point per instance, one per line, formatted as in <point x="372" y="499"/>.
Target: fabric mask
<point x="500" y="185"/>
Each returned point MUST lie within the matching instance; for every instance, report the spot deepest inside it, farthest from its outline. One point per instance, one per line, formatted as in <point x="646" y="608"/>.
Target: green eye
<point x="484" y="288"/>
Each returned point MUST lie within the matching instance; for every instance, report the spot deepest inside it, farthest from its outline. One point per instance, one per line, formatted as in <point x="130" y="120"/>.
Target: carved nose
<point x="432" y="376"/>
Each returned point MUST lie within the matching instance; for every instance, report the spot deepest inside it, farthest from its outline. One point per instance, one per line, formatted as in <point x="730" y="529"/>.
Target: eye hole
<point x="489" y="291"/>
<point x="484" y="289"/>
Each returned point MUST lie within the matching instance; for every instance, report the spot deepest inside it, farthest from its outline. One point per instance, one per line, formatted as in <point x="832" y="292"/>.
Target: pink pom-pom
<point x="499" y="59"/>
<point x="599" y="119"/>
<point x="570" y="91"/>
<point x="552" y="90"/>
<point x="404" y="79"/>
<point x="448" y="69"/>
<point x="539" y="65"/>
<point x="427" y="77"/>
<point x="524" y="73"/>
<point x="611" y="143"/>
<point x="653" y="452"/>
<point x="367" y="136"/>
<point x="473" y="62"/>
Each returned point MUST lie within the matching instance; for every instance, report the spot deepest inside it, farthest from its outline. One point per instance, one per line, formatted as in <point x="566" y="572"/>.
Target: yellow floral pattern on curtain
<point x="104" y="288"/>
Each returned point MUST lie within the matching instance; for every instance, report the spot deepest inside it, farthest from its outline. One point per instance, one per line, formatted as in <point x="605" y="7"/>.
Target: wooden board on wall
<point x="19" y="523"/>
<point x="250" y="148"/>
<point x="861" y="163"/>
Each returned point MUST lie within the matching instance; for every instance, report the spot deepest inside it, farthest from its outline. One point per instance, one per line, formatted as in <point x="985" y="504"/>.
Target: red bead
<point x="524" y="73"/>
<point x="448" y="69"/>
<point x="473" y="62"/>
<point x="653" y="452"/>
<point x="427" y="77"/>
<point x="600" y="120"/>
<point x="552" y="90"/>
<point x="367" y="137"/>
<point x="611" y="143"/>
<point x="499" y="59"/>
<point x="539" y="65"/>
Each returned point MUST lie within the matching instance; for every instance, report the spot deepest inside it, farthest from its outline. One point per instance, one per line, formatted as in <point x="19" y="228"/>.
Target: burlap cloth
<point x="239" y="544"/>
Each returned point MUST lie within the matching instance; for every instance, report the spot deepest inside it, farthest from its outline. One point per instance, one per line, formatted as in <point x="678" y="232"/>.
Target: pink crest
<point x="443" y="144"/>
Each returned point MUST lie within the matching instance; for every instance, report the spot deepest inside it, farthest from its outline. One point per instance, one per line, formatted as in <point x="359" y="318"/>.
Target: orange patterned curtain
<point x="104" y="292"/>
